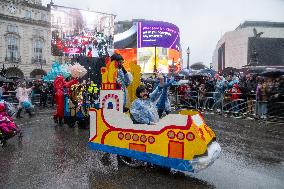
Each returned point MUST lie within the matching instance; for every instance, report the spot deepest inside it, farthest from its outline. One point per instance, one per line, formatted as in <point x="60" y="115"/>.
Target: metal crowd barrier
<point x="10" y="96"/>
<point x="247" y="106"/>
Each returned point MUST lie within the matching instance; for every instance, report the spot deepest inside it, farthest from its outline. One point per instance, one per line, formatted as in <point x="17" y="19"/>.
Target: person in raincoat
<point x="22" y="94"/>
<point x="235" y="95"/>
<point x="163" y="103"/>
<point x="143" y="110"/>
<point x="59" y="84"/>
<point x="219" y="87"/>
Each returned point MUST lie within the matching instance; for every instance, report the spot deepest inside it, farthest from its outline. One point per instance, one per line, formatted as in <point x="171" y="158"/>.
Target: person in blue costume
<point x="144" y="109"/>
<point x="163" y="103"/>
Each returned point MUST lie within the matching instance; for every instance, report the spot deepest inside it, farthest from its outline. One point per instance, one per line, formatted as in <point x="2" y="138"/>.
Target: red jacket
<point x="235" y="91"/>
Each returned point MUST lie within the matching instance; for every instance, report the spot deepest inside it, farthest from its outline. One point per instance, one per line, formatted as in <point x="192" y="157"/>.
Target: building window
<point x="28" y="14"/>
<point x="70" y="22"/>
<point x="37" y="32"/>
<point x="58" y="20"/>
<point x="38" y="46"/>
<point x="12" y="52"/>
<point x="12" y="28"/>
<point x="43" y="17"/>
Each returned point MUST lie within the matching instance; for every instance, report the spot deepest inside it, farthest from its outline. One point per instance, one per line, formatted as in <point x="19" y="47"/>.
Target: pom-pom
<point x="57" y="69"/>
<point x="77" y="70"/>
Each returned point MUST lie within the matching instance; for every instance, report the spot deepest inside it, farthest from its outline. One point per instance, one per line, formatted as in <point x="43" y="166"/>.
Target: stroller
<point x="8" y="128"/>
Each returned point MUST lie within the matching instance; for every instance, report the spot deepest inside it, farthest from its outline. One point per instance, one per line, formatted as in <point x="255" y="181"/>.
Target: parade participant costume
<point x="124" y="78"/>
<point x="7" y="125"/>
<point x="143" y="110"/>
<point x="76" y="71"/>
<point x="57" y="69"/>
<point x="24" y="101"/>
<point x="93" y="92"/>
<point x="59" y="84"/>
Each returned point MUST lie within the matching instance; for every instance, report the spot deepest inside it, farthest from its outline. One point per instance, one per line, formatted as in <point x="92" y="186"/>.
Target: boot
<point x="19" y="113"/>
<point x="55" y="119"/>
<point x="29" y="112"/>
<point x="60" y="121"/>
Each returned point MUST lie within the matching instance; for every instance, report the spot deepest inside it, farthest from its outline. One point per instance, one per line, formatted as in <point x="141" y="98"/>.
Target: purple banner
<point x="161" y="34"/>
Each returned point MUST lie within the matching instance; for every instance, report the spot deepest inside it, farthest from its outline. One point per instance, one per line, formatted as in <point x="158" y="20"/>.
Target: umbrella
<point x="207" y="71"/>
<point x="186" y="72"/>
<point x="14" y="77"/>
<point x="181" y="82"/>
<point x="229" y="70"/>
<point x="3" y="79"/>
<point x="200" y="75"/>
<point x="272" y="73"/>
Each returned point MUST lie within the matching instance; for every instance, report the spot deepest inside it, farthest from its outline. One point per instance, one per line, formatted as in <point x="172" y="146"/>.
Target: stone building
<point x="252" y="44"/>
<point x="25" y="49"/>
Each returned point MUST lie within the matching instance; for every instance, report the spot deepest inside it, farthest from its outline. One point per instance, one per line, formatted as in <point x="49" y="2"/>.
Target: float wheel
<point x="130" y="161"/>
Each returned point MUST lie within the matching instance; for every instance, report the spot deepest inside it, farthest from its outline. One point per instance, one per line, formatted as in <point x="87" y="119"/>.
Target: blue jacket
<point x="144" y="111"/>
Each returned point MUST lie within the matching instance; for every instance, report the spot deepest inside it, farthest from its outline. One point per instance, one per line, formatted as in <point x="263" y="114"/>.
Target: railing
<point x="10" y="96"/>
<point x="13" y="59"/>
<point x="38" y="61"/>
<point x="246" y="106"/>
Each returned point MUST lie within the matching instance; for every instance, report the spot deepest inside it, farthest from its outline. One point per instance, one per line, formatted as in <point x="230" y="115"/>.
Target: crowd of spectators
<point x="251" y="93"/>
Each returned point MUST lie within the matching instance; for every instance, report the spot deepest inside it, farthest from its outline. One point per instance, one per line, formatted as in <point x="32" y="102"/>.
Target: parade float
<point x="180" y="141"/>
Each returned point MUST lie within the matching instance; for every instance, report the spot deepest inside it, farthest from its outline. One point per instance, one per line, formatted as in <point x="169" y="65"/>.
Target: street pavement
<point x="53" y="156"/>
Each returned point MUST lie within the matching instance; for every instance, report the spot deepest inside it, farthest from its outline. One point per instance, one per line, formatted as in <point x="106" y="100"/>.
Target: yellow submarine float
<point x="180" y="141"/>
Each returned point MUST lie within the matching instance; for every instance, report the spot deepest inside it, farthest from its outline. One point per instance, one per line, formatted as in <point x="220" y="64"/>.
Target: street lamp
<point x="173" y="67"/>
<point x="3" y="71"/>
<point x="187" y="52"/>
<point x="155" y="65"/>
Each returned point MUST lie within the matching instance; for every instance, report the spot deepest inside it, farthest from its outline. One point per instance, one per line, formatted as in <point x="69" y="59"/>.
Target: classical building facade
<point x="253" y="43"/>
<point x="25" y="35"/>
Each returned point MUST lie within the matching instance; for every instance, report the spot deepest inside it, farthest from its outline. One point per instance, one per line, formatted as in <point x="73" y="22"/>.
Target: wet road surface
<point x="51" y="156"/>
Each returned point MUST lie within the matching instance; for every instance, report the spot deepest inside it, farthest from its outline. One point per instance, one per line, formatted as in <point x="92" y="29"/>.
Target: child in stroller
<point x="8" y="128"/>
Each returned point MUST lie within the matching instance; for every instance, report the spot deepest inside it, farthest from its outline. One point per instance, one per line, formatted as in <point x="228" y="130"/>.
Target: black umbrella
<point x="14" y="77"/>
<point x="229" y="70"/>
<point x="186" y="72"/>
<point x="272" y="73"/>
<point x="3" y="79"/>
<point x="207" y="71"/>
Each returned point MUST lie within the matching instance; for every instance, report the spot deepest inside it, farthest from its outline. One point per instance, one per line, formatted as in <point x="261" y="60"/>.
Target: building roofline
<point x="60" y="6"/>
<point x="260" y="24"/>
<point x="24" y="20"/>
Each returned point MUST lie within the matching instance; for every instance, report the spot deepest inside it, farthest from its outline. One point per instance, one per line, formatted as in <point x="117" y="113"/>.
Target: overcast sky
<point x="201" y="22"/>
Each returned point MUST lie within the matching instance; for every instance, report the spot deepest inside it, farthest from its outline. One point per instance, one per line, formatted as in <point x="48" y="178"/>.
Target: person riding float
<point x="148" y="108"/>
<point x="123" y="77"/>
